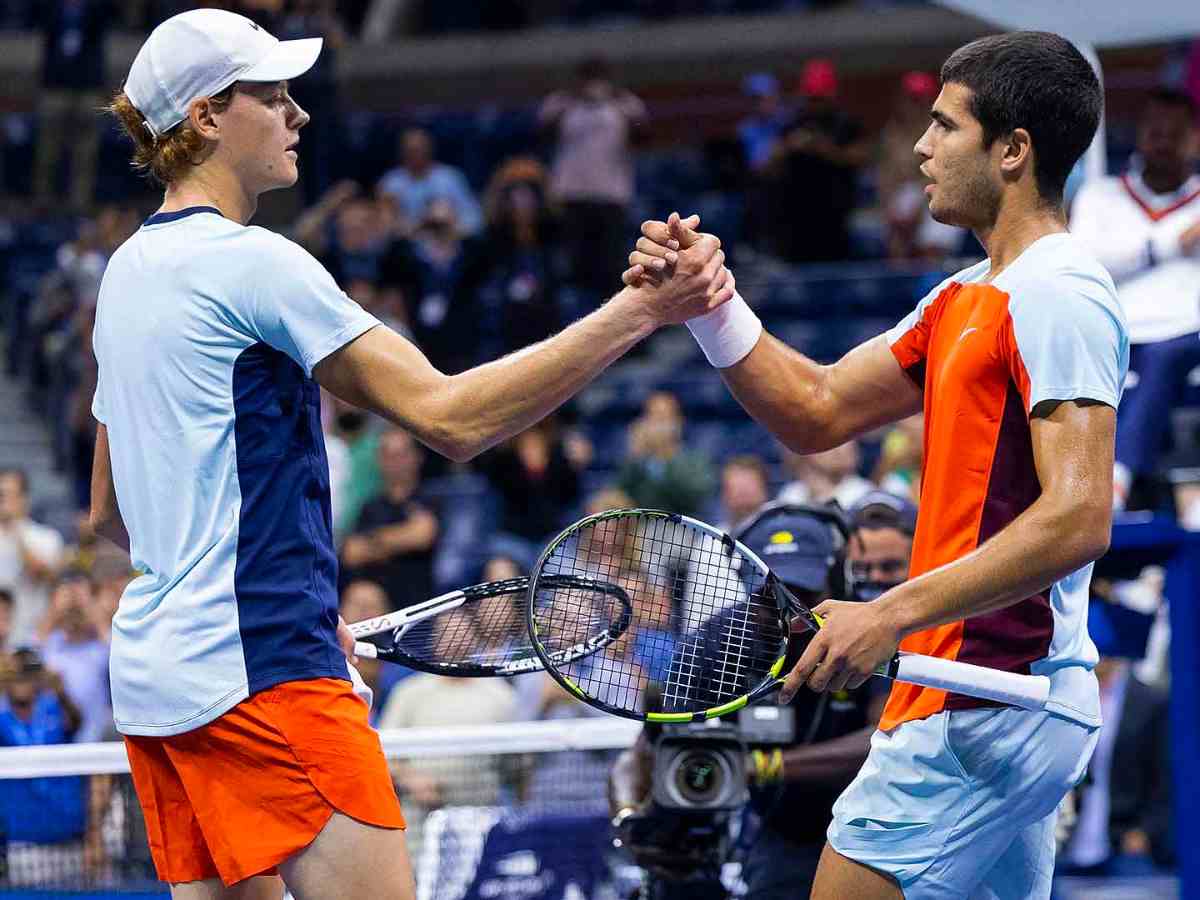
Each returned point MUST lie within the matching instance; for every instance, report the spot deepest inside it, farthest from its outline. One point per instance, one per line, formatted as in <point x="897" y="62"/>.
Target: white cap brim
<point x="289" y="59"/>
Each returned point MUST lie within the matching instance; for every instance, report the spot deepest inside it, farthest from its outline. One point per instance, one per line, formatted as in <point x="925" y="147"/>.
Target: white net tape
<point x="492" y="810"/>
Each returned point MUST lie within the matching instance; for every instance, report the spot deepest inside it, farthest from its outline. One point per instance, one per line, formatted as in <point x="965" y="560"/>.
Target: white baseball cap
<point x="202" y="52"/>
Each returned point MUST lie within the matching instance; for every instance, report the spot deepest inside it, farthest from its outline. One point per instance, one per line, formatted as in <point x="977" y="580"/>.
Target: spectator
<point x="100" y="559"/>
<point x="30" y="556"/>
<point x="1124" y="817"/>
<point x="420" y="179"/>
<point x="819" y="478"/>
<point x="1145" y="228"/>
<point x="73" y="647"/>
<point x="425" y="700"/>
<point x="357" y="481"/>
<point x="317" y="91"/>
<point x="659" y="472"/>
<point x="1192" y="75"/>
<point x="348" y="233"/>
<point x="814" y="172"/>
<point x="394" y="540"/>
<point x="880" y="548"/>
<point x="110" y="585"/>
<point x="51" y="834"/>
<point x="745" y="486"/>
<point x="757" y="136"/>
<point x="515" y="266"/>
<point x="898" y="470"/>
<point x="73" y="81"/>
<point x="6" y="617"/>
<point x="362" y="600"/>
<point x="912" y="231"/>
<point x="759" y="131"/>
<point x="428" y="269"/>
<point x="537" y="476"/>
<point x="594" y="125"/>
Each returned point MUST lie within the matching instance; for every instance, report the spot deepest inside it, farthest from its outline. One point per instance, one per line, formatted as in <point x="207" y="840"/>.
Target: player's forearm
<point x="837" y="759"/>
<point x="488" y="404"/>
<point x="785" y="392"/>
<point x="1048" y="541"/>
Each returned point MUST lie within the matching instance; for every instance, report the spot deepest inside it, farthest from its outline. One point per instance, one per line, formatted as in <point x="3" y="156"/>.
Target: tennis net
<point x="494" y="811"/>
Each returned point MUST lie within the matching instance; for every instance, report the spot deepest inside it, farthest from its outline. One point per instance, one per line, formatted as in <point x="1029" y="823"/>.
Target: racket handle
<point x="1025" y="691"/>
<point x="366" y="650"/>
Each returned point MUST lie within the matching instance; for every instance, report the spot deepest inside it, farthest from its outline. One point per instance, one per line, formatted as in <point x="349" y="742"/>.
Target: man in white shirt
<point x="1144" y="227"/>
<point x="30" y="555"/>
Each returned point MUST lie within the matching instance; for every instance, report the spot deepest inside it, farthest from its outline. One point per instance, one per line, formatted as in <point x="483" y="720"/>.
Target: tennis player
<point x="1017" y="364"/>
<point x="250" y="753"/>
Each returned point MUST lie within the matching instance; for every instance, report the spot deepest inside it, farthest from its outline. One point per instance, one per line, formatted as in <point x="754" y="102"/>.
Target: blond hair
<point x="166" y="157"/>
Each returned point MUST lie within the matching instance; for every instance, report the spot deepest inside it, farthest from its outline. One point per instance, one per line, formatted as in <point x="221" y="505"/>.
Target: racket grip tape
<point x="1025" y="691"/>
<point x="366" y="650"/>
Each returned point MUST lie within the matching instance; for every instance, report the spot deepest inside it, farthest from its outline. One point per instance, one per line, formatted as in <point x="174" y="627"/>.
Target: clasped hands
<point x="682" y="267"/>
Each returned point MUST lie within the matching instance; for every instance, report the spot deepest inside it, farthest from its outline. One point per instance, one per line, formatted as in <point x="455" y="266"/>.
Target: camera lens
<point x="700" y="777"/>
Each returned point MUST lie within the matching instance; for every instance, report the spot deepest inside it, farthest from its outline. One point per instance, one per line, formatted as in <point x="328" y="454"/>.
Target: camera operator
<point x="794" y="783"/>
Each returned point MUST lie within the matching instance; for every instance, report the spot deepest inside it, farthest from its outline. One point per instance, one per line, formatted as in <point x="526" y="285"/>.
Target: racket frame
<point x="1025" y="691"/>
<point x="400" y="622"/>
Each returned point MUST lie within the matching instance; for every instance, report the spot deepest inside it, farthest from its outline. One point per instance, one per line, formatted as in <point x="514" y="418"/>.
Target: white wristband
<point x="728" y="333"/>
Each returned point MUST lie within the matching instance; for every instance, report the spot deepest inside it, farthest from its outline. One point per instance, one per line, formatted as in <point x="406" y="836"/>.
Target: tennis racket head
<point x="480" y="631"/>
<point x="710" y="623"/>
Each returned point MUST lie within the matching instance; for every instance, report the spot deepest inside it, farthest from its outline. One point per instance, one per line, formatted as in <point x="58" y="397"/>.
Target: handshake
<point x="679" y="276"/>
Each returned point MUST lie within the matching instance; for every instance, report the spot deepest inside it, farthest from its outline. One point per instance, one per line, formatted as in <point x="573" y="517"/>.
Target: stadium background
<point x="494" y="251"/>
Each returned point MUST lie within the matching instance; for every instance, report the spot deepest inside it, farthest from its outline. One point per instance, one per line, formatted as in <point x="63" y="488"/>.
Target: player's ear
<point x="202" y="118"/>
<point x="1016" y="152"/>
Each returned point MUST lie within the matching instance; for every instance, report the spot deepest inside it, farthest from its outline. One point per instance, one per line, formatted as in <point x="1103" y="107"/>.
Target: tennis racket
<point x="711" y="623"/>
<point x="480" y="631"/>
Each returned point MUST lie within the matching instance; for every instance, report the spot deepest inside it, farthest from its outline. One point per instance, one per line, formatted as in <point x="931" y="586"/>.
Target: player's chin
<point x="288" y="174"/>
<point x="945" y="213"/>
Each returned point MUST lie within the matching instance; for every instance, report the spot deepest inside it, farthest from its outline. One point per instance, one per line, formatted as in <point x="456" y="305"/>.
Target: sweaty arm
<point x="462" y="415"/>
<point x="808" y="406"/>
<point x="1066" y="528"/>
<point x="105" y="515"/>
<point x="812" y="407"/>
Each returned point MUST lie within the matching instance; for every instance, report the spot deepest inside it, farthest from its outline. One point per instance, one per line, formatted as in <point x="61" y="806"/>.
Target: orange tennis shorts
<point x="236" y="797"/>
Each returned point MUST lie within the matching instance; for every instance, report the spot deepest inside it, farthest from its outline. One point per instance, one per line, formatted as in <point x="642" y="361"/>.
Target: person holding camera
<point x="50" y="826"/>
<point x="800" y="757"/>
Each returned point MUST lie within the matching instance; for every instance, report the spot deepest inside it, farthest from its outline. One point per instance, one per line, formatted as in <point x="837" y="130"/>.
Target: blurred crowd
<point x="475" y="261"/>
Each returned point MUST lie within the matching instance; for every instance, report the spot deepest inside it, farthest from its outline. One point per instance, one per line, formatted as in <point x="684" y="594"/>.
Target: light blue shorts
<point x="963" y="804"/>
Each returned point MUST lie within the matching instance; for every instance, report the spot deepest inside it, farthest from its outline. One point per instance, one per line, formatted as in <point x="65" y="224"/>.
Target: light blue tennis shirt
<point x="207" y="332"/>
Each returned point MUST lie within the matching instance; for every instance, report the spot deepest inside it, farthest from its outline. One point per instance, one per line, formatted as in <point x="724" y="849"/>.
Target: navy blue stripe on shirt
<point x="285" y="577"/>
<point x="160" y="218"/>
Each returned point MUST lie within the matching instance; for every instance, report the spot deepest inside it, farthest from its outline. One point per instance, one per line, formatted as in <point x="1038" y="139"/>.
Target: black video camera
<point x="700" y="767"/>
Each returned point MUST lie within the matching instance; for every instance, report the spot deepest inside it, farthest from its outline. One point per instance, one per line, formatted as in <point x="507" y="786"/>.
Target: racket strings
<point x="705" y="625"/>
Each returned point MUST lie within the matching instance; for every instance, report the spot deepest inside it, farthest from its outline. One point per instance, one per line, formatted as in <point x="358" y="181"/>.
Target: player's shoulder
<point x="1060" y="273"/>
<point x="274" y="245"/>
<point x="1057" y="265"/>
<point x="271" y="259"/>
<point x="967" y="275"/>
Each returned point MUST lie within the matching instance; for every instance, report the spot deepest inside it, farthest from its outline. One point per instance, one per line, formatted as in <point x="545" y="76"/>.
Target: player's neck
<point x="216" y="187"/>
<point x="1019" y="223"/>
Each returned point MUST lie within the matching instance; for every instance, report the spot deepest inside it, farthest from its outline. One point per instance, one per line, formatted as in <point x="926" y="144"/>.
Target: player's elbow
<point x="1086" y="529"/>
<point x="454" y="444"/>
<point x="1098" y="536"/>
<point x="100" y="518"/>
